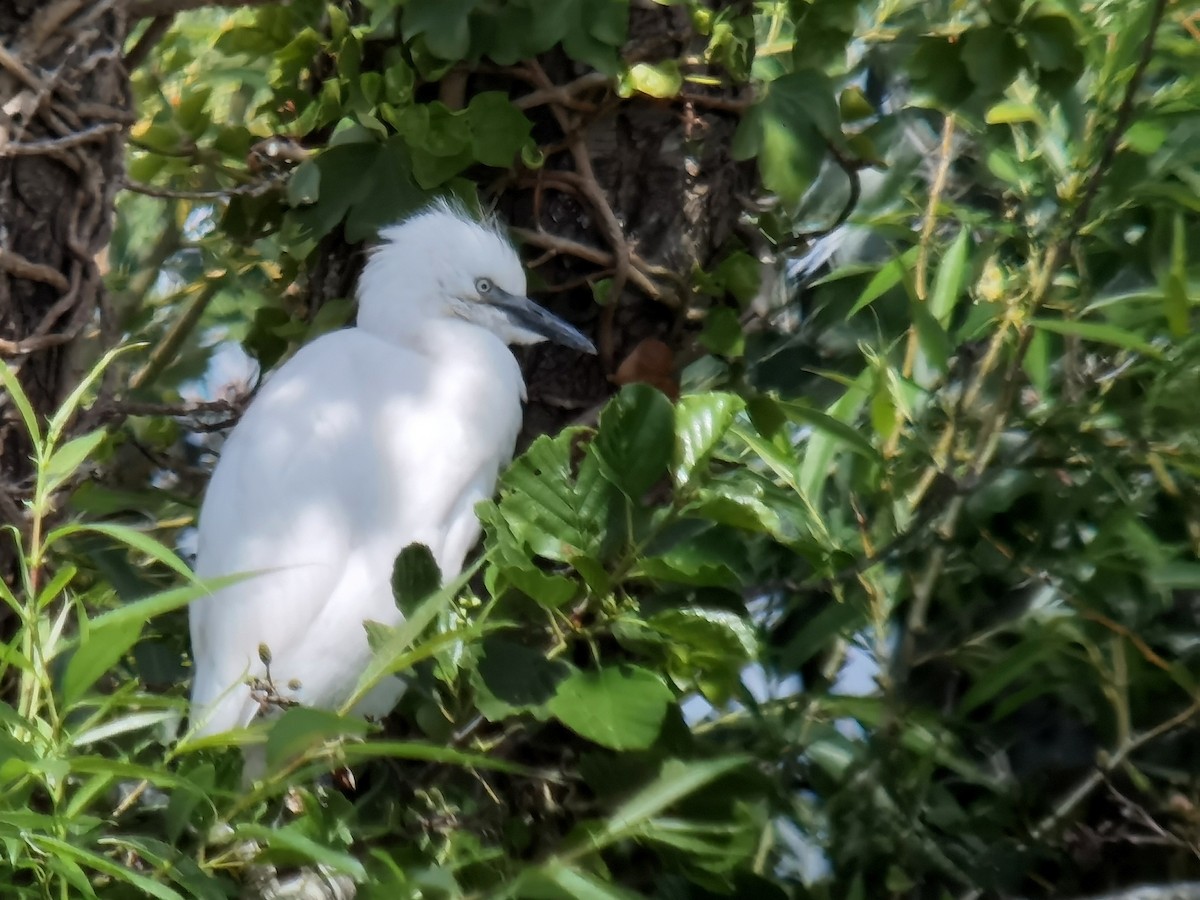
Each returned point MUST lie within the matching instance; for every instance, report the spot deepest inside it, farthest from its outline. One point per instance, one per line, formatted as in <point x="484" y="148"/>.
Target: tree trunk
<point x="64" y="105"/>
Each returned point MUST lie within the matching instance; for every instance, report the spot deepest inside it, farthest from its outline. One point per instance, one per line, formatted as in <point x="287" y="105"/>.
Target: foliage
<point x="955" y="462"/>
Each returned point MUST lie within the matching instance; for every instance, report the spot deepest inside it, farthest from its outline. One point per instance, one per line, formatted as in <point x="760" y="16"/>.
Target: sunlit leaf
<point x="701" y="421"/>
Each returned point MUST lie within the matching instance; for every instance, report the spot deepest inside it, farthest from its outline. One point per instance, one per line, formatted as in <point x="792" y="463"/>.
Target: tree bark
<point x="64" y="107"/>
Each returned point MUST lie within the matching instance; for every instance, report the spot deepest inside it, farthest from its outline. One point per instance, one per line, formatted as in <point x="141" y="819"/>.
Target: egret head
<point x="441" y="263"/>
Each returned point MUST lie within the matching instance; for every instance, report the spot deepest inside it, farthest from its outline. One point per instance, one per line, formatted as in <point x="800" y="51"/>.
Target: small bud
<point x="264" y="653"/>
<point x="294" y="684"/>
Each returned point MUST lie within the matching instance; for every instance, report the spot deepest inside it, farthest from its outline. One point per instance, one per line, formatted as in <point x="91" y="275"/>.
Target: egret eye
<point x="483" y="285"/>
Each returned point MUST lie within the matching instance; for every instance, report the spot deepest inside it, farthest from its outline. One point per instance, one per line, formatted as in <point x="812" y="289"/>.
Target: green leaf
<point x="165" y="601"/>
<point x="1053" y="43"/>
<point x="304" y="185"/>
<point x="125" y="724"/>
<point x="517" y="676"/>
<point x="931" y="336"/>
<point x="619" y="707"/>
<point x="70" y="456"/>
<point x="1176" y="575"/>
<point x="436" y="753"/>
<point x="1037" y="362"/>
<point x="823" y="447"/>
<point x="821" y="630"/>
<point x="677" y="780"/>
<point x="147" y="886"/>
<point x="131" y="538"/>
<point x="365" y="184"/>
<point x="789" y="157"/>
<point x="683" y="566"/>
<point x="938" y="71"/>
<point x="885" y="279"/>
<point x="171" y="862"/>
<point x="636" y="439"/>
<point x="556" y="880"/>
<point x="290" y="842"/>
<point x="701" y="421"/>
<point x="12" y="387"/>
<point x="790" y="131"/>
<point x="833" y="427"/>
<point x="498" y="129"/>
<point x="740" y="275"/>
<point x="415" y="576"/>
<point x="749" y="500"/>
<point x="950" y="279"/>
<point x="62" y="577"/>
<point x="512" y="562"/>
<point x="1100" y="333"/>
<point x="594" y="32"/>
<point x="1009" y="112"/>
<point x="722" y="333"/>
<point x="443" y="23"/>
<point x="707" y="647"/>
<point x="98" y="652"/>
<point x="301" y="728"/>
<point x="662" y="79"/>
<point x="66" y="410"/>
<point x="394" y="654"/>
<point x="1175" y="298"/>
<point x="1008" y="668"/>
<point x="700" y="627"/>
<point x="992" y="58"/>
<point x="545" y="510"/>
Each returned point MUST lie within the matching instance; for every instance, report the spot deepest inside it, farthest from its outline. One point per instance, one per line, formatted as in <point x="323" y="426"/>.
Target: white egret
<point x="367" y="440"/>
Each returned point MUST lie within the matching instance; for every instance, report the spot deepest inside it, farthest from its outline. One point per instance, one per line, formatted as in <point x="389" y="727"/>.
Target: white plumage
<point x="367" y="440"/>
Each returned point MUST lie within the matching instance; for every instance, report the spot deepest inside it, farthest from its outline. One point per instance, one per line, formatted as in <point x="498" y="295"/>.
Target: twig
<point x="164" y="354"/>
<point x="725" y="104"/>
<point x="16" y="264"/>
<point x="556" y="244"/>
<point x="945" y="157"/>
<point x="50" y="145"/>
<point x="251" y="189"/>
<point x="19" y="69"/>
<point x="850" y="167"/>
<point x="34" y="344"/>
<point x="47" y="20"/>
<point x="1138" y="813"/>
<point x="1079" y="793"/>
<point x="108" y="411"/>
<point x="564" y="94"/>
<point x="585" y="181"/>
<point x="41" y="337"/>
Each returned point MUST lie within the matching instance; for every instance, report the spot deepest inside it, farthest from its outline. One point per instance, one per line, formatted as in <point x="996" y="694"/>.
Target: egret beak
<point x="526" y="314"/>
